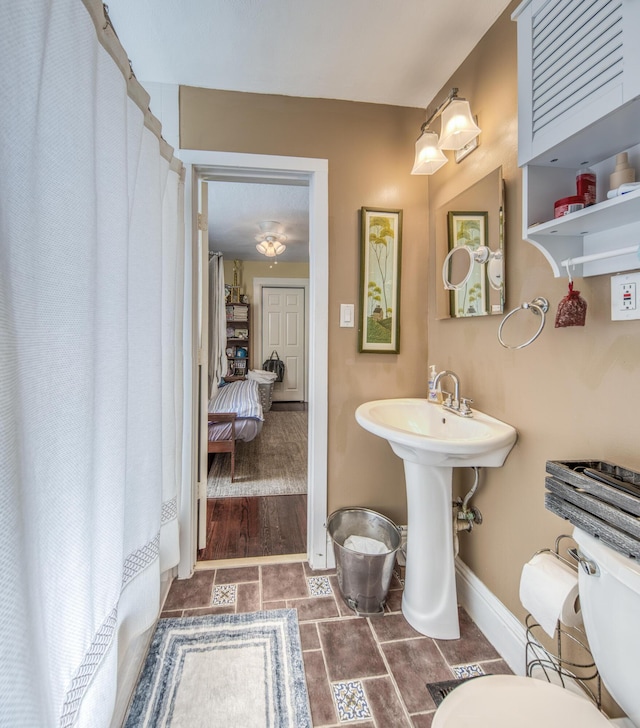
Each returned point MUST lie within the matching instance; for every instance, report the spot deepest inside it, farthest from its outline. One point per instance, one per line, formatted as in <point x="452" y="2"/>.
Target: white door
<point x="283" y="316"/>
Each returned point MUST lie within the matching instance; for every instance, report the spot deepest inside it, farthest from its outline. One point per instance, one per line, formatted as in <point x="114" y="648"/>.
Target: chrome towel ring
<point x="539" y="306"/>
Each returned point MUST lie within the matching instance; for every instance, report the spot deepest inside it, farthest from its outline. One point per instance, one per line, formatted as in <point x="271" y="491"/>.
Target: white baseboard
<point x="494" y="620"/>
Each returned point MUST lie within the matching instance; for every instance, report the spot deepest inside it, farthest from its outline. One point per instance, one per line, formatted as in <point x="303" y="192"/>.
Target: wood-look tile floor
<point x="367" y="672"/>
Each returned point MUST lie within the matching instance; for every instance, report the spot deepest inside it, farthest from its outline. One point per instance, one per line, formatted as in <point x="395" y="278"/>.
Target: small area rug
<point x="273" y="463"/>
<point x="231" y="670"/>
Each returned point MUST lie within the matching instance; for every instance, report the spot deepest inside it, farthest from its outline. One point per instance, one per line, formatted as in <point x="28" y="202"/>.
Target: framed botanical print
<point x="380" y="259"/>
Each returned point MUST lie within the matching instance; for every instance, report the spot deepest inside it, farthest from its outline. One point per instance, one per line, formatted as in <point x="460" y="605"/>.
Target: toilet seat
<point x="505" y="701"/>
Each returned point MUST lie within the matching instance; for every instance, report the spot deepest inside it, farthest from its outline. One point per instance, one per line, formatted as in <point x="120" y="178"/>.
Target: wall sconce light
<point x="271" y="239"/>
<point x="458" y="128"/>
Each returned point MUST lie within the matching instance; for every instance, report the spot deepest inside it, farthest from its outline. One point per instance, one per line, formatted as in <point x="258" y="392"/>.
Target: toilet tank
<point x="610" y="603"/>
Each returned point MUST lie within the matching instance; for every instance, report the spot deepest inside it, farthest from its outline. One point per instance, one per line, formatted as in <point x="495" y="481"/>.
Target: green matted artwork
<point x="469" y="229"/>
<point x="380" y="258"/>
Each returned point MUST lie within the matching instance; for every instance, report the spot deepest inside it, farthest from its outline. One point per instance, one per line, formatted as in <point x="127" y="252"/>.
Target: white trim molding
<point x="314" y="173"/>
<point x="495" y="621"/>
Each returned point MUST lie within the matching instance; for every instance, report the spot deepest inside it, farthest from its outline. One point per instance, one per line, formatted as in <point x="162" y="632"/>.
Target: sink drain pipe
<point x="465" y="516"/>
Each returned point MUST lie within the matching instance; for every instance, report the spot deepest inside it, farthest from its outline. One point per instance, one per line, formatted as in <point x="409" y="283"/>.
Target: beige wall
<point x="370" y="153"/>
<point x="574" y="393"/>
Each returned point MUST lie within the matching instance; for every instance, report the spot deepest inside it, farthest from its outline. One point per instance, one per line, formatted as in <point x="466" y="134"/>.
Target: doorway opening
<point x="275" y="170"/>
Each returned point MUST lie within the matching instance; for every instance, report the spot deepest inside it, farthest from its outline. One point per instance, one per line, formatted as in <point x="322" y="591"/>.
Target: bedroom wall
<point x="257" y="269"/>
<point x="370" y="152"/>
<point x="251" y="269"/>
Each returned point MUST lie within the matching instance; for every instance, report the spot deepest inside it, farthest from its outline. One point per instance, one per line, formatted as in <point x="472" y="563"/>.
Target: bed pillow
<point x="242" y="397"/>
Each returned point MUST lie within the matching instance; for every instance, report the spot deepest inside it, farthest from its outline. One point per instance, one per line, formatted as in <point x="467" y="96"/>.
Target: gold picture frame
<point x="380" y="264"/>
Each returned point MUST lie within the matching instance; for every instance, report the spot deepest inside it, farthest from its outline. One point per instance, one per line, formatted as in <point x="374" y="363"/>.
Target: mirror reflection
<point x="470" y="250"/>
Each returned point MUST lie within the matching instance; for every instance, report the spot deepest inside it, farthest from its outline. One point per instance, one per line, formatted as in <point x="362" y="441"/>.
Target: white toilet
<point x="610" y="603"/>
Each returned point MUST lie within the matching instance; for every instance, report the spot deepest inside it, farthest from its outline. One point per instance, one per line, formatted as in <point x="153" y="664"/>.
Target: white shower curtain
<point x="217" y="323"/>
<point x="91" y="248"/>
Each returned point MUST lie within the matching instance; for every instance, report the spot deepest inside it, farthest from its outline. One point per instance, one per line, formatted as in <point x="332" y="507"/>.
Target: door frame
<point x="312" y="173"/>
<point x="258" y="285"/>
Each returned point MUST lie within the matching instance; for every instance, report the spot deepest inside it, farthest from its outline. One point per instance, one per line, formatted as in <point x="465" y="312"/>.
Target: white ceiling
<point x="236" y="208"/>
<point x="398" y="52"/>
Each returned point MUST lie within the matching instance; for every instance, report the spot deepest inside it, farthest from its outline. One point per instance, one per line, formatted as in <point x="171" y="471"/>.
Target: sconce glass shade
<point x="429" y="156"/>
<point x="458" y="126"/>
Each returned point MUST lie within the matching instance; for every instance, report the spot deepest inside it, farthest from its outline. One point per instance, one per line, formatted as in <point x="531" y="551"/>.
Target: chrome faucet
<point x="453" y="402"/>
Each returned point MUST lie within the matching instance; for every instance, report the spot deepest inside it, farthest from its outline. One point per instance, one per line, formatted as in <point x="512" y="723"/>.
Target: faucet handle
<point x="448" y="402"/>
<point x="464" y="405"/>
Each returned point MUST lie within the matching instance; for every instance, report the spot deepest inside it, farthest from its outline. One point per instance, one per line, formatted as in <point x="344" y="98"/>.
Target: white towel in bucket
<point x="365" y="545"/>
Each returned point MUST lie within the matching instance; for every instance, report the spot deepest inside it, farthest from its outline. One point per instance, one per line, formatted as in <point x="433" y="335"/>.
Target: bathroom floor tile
<point x="393" y="627"/>
<point x="319" y="586"/>
<point x="248" y="599"/>
<point x="350" y="650"/>
<point x="323" y="711"/>
<point x="314" y="608"/>
<point x="224" y="594"/>
<point x="193" y="592"/>
<point x="373" y="670"/>
<point x="283" y="581"/>
<point x="462" y="672"/>
<point x="385" y="705"/>
<point x="472" y="646"/>
<point x="413" y="664"/>
<point x="309" y="637"/>
<point x="238" y="576"/>
<point x="351" y="701"/>
<point x="496" y="667"/>
<point x="422" y="720"/>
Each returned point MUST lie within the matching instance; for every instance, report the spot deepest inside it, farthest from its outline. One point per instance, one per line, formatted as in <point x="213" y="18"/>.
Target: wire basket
<point x="266" y="395"/>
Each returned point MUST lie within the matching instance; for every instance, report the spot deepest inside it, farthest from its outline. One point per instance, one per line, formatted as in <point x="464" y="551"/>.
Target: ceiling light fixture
<point x="271" y="239"/>
<point x="458" y="129"/>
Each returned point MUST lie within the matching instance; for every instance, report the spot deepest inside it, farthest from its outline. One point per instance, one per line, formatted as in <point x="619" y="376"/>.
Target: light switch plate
<point x="625" y="290"/>
<point x="347" y="315"/>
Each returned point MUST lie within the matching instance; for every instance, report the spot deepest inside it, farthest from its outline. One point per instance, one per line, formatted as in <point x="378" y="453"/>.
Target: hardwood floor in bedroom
<point x="263" y="526"/>
<point x="248" y="527"/>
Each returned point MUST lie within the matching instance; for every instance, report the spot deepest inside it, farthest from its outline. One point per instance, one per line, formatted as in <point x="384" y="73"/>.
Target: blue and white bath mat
<point x="232" y="670"/>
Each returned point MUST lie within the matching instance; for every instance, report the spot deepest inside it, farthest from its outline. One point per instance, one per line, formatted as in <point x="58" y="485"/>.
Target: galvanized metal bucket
<point x="364" y="579"/>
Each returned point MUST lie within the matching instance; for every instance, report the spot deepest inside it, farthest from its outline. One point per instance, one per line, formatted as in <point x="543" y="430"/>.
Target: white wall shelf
<point x="574" y="111"/>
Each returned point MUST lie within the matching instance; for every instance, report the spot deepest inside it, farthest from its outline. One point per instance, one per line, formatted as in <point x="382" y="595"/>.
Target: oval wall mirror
<point x="470" y="250"/>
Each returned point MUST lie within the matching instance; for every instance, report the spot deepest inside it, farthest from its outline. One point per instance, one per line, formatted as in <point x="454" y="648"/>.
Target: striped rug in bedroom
<point x="274" y="463"/>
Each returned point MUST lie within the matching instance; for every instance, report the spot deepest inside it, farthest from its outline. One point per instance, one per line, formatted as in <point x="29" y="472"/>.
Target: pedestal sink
<point x="432" y="441"/>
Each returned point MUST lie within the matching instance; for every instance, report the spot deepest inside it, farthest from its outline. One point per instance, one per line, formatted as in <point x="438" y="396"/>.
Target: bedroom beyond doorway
<point x="248" y="525"/>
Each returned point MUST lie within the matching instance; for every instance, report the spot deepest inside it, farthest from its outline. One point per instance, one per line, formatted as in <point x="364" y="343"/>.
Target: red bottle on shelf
<point x="586" y="186"/>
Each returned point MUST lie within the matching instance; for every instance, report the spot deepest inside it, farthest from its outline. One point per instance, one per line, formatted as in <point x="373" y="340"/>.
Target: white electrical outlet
<point x="624" y="297"/>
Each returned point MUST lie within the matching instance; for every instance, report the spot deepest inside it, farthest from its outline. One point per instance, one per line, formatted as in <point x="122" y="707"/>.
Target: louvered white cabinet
<point x="578" y="103"/>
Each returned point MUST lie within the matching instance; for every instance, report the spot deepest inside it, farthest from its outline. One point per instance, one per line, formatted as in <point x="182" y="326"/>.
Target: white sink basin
<point x="423" y="432"/>
<point x="431" y="442"/>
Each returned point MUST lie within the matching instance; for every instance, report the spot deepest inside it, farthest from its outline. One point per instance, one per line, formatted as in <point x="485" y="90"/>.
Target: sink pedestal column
<point x="429" y="602"/>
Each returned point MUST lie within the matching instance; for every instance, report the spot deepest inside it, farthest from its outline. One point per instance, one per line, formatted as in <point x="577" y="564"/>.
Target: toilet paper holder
<point x="571" y="665"/>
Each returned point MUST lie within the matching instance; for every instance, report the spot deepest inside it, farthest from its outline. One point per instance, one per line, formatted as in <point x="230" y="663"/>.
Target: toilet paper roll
<point x="549" y="591"/>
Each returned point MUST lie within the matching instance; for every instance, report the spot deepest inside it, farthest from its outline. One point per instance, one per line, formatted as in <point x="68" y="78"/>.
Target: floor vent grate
<point x="440" y="690"/>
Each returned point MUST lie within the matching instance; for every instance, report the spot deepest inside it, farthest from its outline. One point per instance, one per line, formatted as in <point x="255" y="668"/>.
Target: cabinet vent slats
<point x="577" y="51"/>
<point x="580" y="40"/>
